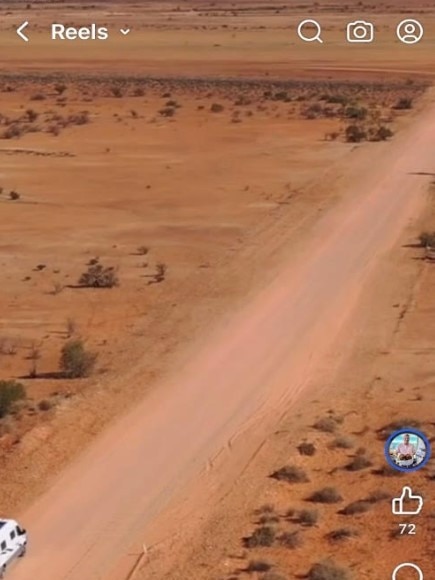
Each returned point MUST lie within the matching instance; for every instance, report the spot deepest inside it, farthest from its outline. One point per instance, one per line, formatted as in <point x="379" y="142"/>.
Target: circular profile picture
<point x="407" y="450"/>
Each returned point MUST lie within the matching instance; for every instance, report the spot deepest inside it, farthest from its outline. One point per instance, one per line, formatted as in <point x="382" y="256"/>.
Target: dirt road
<point x="83" y="526"/>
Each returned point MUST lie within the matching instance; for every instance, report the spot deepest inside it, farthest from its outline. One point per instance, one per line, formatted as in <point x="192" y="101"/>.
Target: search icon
<point x="317" y="31"/>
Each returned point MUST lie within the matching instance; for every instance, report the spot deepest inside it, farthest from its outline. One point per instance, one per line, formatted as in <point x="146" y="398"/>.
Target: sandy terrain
<point x="262" y="360"/>
<point x="246" y="195"/>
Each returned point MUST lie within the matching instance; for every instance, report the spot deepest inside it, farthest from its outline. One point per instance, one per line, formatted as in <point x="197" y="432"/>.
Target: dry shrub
<point x="327" y="570"/>
<point x="308" y="517"/>
<point x="290" y="540"/>
<point x="306" y="448"/>
<point x="357" y="507"/>
<point x="291" y="474"/>
<point x="262" y="536"/>
<point x="341" y="534"/>
<point x="98" y="276"/>
<point x="326" y="495"/>
<point x="358" y="463"/>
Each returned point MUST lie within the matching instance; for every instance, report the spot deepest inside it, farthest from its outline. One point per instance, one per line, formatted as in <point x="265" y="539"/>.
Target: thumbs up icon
<point x="408" y="504"/>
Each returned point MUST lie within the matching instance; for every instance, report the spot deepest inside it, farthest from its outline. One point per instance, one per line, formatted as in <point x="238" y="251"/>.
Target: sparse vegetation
<point x="291" y="474"/>
<point x="343" y="442"/>
<point x="356" y="507"/>
<point x="258" y="566"/>
<point x="427" y="239"/>
<point x="327" y="570"/>
<point x="216" y="108"/>
<point x="75" y="361"/>
<point x="308" y="518"/>
<point x="403" y="104"/>
<point x="355" y="134"/>
<point x="262" y="536"/>
<point x="342" y="534"/>
<point x="306" y="448"/>
<point x="99" y="276"/>
<point x="326" y="495"/>
<point x="290" y="540"/>
<point x="327" y="424"/>
<point x="358" y="463"/>
<point x="14" y="195"/>
<point x="10" y="393"/>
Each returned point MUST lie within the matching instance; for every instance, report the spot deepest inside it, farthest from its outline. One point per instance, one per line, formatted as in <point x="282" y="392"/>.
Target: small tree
<point x="10" y="393"/>
<point x="75" y="361"/>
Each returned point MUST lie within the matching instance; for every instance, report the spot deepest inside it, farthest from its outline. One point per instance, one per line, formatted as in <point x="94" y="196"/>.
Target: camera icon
<point x="360" y="31"/>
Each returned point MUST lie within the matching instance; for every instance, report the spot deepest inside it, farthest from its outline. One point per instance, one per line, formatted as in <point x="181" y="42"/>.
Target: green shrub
<point x="75" y="361"/>
<point x="10" y="393"/>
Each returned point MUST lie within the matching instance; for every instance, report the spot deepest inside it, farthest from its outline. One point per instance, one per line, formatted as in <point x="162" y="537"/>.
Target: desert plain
<point x="206" y="162"/>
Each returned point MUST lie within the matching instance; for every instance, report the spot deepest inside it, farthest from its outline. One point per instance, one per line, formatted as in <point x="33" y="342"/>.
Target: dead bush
<point x="75" y="361"/>
<point x="291" y="474"/>
<point x="99" y="276"/>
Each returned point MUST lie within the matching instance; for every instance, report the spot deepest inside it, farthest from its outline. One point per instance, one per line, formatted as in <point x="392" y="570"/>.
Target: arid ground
<point x="202" y="160"/>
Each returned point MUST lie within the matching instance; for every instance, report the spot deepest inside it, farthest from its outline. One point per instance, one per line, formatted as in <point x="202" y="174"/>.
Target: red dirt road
<point x="82" y="527"/>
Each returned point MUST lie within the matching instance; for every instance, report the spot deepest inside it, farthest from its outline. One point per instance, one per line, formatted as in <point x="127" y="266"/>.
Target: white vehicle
<point x="13" y="542"/>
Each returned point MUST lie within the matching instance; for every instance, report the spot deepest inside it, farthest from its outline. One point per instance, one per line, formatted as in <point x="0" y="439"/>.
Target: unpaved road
<point x="84" y="524"/>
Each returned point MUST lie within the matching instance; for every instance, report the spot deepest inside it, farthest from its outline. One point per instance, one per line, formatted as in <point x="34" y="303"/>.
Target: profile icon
<point x="410" y="31"/>
<point x="407" y="450"/>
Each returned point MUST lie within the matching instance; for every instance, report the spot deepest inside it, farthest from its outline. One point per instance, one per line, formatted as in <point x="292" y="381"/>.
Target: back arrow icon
<point x="20" y="31"/>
